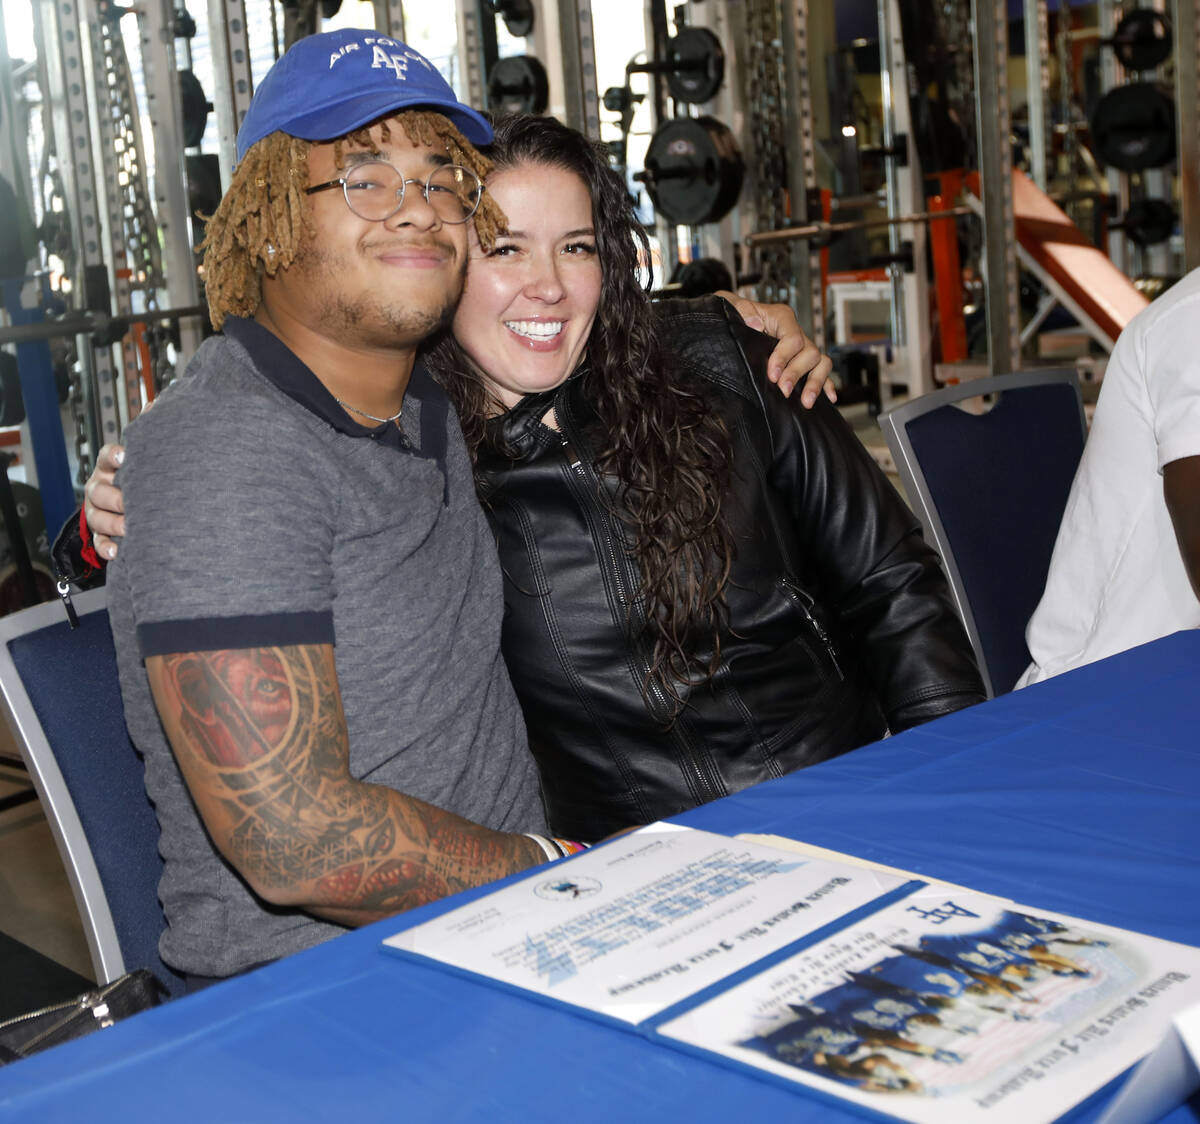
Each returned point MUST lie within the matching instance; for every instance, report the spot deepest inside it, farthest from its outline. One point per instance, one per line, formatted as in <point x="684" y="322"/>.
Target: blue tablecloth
<point x="1080" y="795"/>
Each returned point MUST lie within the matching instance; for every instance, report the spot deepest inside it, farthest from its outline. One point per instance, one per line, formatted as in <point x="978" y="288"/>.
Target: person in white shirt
<point x="1126" y="564"/>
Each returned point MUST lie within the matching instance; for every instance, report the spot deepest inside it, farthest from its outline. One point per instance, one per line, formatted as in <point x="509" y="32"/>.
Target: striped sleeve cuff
<point x="211" y="634"/>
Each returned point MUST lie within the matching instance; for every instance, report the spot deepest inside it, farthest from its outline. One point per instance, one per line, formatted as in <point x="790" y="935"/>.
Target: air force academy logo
<point x="567" y="889"/>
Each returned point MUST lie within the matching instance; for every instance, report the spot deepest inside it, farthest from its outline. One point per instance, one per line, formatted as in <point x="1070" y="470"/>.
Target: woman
<point x="705" y="587"/>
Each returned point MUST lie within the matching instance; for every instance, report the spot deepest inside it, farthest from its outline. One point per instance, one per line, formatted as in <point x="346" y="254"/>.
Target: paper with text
<point x="635" y="925"/>
<point x="950" y="1007"/>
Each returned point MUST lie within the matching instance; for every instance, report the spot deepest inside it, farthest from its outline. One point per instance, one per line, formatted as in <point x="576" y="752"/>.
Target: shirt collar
<point x="279" y="365"/>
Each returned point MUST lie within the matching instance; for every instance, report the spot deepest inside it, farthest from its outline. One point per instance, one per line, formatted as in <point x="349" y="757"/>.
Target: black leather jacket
<point x="841" y="623"/>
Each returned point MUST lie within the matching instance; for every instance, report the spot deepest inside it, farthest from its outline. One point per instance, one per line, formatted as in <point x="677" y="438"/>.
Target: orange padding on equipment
<point x="1065" y="253"/>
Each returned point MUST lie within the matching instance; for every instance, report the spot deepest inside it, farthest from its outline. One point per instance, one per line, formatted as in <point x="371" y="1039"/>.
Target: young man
<point x="1126" y="564"/>
<point x="329" y="732"/>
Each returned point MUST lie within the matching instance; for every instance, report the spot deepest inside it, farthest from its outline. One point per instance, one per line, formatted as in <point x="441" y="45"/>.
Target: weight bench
<point x="1078" y="275"/>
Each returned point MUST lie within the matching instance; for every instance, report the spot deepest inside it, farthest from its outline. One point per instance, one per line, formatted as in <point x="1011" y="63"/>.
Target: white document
<point x="1165" y="1079"/>
<point x="631" y="927"/>
<point x="812" y="851"/>
<point x="951" y="1007"/>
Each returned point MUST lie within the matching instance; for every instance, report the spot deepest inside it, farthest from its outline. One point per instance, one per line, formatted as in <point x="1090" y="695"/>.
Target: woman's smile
<point x="529" y="304"/>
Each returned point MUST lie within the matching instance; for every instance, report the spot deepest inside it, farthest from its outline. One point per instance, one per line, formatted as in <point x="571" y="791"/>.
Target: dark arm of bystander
<point x="1181" y="489"/>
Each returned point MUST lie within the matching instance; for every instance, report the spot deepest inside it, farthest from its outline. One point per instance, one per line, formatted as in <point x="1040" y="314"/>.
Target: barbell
<point x="822" y="232"/>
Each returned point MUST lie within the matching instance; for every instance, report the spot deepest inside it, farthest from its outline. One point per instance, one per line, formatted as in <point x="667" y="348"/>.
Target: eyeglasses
<point x="374" y="191"/>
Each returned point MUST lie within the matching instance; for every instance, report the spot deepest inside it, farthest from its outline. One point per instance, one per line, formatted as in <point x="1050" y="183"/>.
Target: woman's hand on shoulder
<point x="795" y="356"/>
<point x="103" y="504"/>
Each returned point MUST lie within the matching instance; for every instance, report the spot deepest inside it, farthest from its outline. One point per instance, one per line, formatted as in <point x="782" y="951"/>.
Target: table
<point x="1079" y="794"/>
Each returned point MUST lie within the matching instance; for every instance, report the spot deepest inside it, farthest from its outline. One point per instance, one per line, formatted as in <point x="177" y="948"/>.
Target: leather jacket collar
<point x="519" y="430"/>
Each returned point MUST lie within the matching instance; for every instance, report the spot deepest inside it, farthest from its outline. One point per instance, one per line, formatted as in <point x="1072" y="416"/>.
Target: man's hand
<point x="103" y="504"/>
<point x="260" y="738"/>
<point x="1181" y="490"/>
<point x="795" y="356"/>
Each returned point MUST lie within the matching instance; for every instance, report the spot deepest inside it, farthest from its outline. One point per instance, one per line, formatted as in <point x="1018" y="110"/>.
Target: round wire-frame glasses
<point x="374" y="191"/>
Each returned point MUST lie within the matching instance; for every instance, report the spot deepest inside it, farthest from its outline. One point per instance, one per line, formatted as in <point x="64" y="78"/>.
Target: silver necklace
<point x="364" y="414"/>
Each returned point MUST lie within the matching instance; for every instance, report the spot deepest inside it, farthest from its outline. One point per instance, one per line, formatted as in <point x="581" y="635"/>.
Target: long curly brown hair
<point x="669" y="451"/>
<point x="264" y="217"/>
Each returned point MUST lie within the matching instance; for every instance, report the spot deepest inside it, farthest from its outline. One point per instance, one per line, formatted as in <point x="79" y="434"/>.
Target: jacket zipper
<point x="706" y="784"/>
<point x="572" y="457"/>
<point x="805" y="604"/>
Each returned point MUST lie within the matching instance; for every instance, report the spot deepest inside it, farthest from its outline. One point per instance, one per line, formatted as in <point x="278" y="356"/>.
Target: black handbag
<point x="101" y="1007"/>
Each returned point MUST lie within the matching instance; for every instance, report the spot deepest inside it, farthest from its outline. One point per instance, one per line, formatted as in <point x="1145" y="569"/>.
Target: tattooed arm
<point x="261" y="741"/>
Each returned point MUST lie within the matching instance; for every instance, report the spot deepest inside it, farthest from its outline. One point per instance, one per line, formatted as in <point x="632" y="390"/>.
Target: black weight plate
<point x="517" y="16"/>
<point x="694" y="170"/>
<point x="13" y="257"/>
<point x="1133" y="127"/>
<point x="203" y="182"/>
<point x="518" y="84"/>
<point x="702" y="276"/>
<point x="62" y="381"/>
<point x="185" y="25"/>
<point x="1143" y="39"/>
<point x="700" y="61"/>
<point x="194" y="106"/>
<point x="1149" y="221"/>
<point x="12" y="402"/>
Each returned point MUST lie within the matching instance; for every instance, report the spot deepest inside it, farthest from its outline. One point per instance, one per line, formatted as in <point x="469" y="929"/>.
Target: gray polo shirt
<point x="260" y="515"/>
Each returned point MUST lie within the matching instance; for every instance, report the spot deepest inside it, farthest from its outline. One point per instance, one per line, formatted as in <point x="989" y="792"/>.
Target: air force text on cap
<point x="384" y="52"/>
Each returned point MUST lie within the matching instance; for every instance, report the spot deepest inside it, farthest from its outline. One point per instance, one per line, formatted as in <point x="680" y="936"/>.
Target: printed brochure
<point x="921" y="1001"/>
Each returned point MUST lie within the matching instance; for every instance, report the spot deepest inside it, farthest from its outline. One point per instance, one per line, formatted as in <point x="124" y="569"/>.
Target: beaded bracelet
<point x="548" y="849"/>
<point x="554" y="848"/>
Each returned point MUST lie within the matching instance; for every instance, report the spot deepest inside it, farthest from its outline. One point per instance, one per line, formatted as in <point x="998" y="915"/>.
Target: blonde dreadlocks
<point x="261" y="221"/>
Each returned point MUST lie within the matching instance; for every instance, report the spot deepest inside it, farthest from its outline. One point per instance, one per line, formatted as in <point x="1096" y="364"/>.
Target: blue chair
<point x="63" y="702"/>
<point x="990" y="490"/>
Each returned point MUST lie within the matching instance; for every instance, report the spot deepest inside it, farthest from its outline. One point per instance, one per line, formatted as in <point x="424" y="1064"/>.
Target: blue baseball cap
<point x="327" y="85"/>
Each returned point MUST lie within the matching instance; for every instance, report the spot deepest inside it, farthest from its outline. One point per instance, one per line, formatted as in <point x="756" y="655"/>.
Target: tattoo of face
<point x="264" y="730"/>
<point x="267" y="724"/>
<point x="235" y="706"/>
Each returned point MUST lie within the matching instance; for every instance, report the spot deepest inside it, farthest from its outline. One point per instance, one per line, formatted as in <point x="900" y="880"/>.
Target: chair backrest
<point x="990" y="490"/>
<point x="64" y="706"/>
